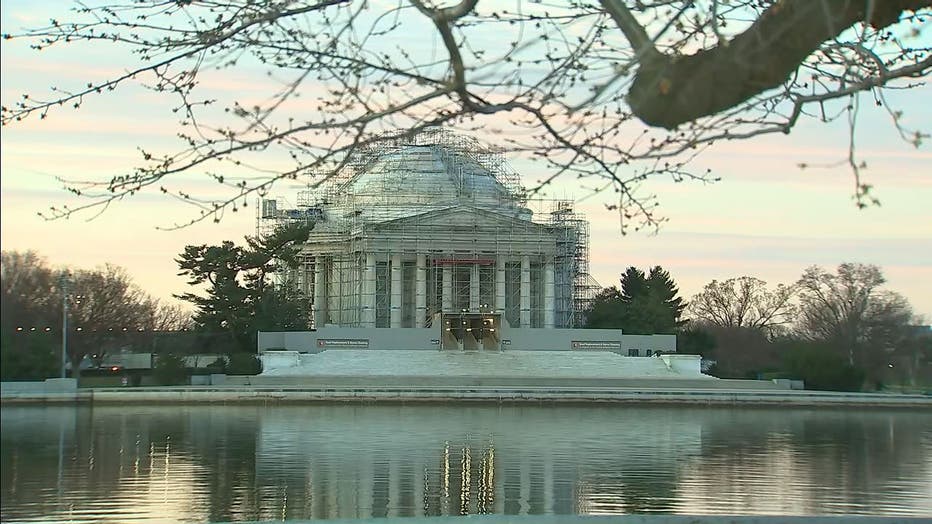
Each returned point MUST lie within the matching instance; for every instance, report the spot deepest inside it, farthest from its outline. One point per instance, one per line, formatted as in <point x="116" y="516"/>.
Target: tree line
<point x="234" y="295"/>
<point x="106" y="311"/>
<point x="835" y="330"/>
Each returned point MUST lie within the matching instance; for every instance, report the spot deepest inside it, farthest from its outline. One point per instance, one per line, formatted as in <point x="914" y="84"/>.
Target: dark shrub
<point x="34" y="357"/>
<point x="242" y="363"/>
<point x="822" y="369"/>
<point x="170" y="370"/>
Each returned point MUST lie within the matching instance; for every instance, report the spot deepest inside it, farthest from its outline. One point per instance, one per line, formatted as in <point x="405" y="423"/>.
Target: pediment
<point x="459" y="217"/>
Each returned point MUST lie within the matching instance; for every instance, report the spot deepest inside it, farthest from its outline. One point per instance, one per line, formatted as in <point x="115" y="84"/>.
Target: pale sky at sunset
<point x="766" y="218"/>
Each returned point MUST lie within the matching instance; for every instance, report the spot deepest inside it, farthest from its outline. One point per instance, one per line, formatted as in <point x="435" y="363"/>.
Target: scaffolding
<point x="436" y="223"/>
<point x="575" y="286"/>
<point x="385" y="179"/>
<point x="271" y="216"/>
<point x="459" y="152"/>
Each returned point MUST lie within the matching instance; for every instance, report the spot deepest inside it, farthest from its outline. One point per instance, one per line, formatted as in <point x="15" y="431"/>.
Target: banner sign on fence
<point x="595" y="344"/>
<point x="349" y="343"/>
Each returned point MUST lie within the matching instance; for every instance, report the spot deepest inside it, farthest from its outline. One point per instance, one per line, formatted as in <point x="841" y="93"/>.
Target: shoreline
<point x="490" y="395"/>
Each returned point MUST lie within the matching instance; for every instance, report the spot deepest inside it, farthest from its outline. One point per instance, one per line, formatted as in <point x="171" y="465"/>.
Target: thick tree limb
<point x="672" y="90"/>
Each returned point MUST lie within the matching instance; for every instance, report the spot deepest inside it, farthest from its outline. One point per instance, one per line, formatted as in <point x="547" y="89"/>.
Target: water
<point x="244" y="462"/>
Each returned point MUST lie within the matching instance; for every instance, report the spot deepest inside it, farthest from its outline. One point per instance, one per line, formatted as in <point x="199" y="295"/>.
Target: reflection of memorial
<point x="234" y="463"/>
<point x="426" y="461"/>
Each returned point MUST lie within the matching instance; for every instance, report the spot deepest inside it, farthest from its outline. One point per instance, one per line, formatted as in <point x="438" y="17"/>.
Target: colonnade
<point x="366" y="273"/>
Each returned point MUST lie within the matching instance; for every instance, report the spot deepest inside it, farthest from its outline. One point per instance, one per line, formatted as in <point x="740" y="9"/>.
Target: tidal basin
<point x="136" y="463"/>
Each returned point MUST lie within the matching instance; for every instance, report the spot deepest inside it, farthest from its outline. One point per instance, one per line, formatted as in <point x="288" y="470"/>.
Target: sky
<point x="766" y="218"/>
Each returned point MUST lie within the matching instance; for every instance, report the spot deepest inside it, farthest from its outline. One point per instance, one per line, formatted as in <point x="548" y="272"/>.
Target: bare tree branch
<point x="669" y="91"/>
<point x="584" y="89"/>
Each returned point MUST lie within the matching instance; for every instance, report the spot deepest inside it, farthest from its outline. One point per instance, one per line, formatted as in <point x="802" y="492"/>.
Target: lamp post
<point x="64" y="322"/>
<point x="462" y="329"/>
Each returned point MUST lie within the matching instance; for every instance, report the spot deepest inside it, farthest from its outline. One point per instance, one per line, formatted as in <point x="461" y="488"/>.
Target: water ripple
<point x="229" y="463"/>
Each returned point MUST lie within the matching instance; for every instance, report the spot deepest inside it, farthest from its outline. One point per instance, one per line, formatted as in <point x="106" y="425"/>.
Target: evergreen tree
<point x="633" y="284"/>
<point x="606" y="309"/>
<point x="665" y="297"/>
<point x="644" y="305"/>
<point x="241" y="299"/>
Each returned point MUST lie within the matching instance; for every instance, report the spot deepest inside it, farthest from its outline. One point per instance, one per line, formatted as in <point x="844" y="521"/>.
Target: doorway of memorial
<point x="471" y="331"/>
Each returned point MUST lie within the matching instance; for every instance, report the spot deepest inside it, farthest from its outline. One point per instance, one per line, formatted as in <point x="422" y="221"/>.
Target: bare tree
<point x="744" y="302"/>
<point x="849" y="311"/>
<point x="609" y="91"/>
<point x="106" y="310"/>
<point x="163" y="316"/>
<point x="27" y="292"/>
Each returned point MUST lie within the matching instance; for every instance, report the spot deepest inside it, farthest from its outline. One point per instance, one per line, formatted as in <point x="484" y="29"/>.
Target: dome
<point x="411" y="179"/>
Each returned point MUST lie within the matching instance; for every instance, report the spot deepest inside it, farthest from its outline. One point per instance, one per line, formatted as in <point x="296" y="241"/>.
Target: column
<point x="447" y="288"/>
<point x="320" y="297"/>
<point x="525" y="319"/>
<point x="500" y="285"/>
<point x="474" y="288"/>
<point x="395" y="312"/>
<point x="338" y="270"/>
<point x="368" y="292"/>
<point x="420" y="292"/>
<point x="548" y="294"/>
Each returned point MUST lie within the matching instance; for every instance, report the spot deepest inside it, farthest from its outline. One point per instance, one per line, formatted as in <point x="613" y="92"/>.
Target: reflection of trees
<point x="212" y="448"/>
<point x="36" y="444"/>
<point x="224" y="441"/>
<point x="642" y="477"/>
<point x="624" y="492"/>
<point x="876" y="449"/>
<point x="124" y="451"/>
<point x="810" y="459"/>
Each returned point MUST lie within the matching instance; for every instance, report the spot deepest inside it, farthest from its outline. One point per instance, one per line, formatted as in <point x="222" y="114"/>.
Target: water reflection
<point x="195" y="464"/>
<point x="477" y="460"/>
<point x="816" y="461"/>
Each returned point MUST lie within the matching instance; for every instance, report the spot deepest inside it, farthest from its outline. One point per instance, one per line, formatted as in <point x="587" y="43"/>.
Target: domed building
<point x="434" y="234"/>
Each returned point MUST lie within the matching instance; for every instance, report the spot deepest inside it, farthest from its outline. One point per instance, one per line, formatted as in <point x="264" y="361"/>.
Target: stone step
<point x="517" y="364"/>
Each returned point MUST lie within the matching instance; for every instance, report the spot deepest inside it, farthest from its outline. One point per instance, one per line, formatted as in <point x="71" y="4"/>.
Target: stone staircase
<point x="509" y="371"/>
<point x="513" y="364"/>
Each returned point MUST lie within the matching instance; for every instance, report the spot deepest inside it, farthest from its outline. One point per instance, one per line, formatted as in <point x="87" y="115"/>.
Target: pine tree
<point x="644" y="305"/>
<point x="240" y="299"/>
<point x="664" y="291"/>
<point x="633" y="285"/>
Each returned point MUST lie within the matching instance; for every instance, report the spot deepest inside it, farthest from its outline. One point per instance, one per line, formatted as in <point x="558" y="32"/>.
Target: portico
<point x="436" y="226"/>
